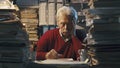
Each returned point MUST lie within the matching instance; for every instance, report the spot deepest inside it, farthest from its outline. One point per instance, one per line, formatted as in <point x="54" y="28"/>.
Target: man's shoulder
<point x="56" y="30"/>
<point x="52" y="32"/>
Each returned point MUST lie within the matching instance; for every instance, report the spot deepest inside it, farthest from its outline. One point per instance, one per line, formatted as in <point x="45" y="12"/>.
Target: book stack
<point x="103" y="32"/>
<point x="29" y="18"/>
<point x="14" y="44"/>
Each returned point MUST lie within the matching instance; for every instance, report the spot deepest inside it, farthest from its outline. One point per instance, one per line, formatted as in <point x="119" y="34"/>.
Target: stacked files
<point x="14" y="44"/>
<point x="30" y="20"/>
<point x="103" y="32"/>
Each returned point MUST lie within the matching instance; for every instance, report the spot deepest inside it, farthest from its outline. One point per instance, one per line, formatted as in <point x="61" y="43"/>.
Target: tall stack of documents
<point x="14" y="44"/>
<point x="29" y="18"/>
<point x="103" y="32"/>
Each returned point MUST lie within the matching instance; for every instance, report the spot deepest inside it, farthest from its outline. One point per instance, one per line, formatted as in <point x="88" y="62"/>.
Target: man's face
<point x="66" y="25"/>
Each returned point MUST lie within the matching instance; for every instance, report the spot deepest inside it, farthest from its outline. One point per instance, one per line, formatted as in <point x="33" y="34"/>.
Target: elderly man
<point x="61" y="42"/>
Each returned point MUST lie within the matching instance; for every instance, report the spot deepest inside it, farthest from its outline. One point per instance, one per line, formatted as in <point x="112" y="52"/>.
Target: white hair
<point x="67" y="10"/>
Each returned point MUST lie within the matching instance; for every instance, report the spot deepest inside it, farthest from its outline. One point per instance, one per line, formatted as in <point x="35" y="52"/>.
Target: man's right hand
<point x="52" y="54"/>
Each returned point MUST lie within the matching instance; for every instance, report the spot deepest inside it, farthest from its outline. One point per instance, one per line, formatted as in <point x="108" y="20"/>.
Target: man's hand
<point x="52" y="54"/>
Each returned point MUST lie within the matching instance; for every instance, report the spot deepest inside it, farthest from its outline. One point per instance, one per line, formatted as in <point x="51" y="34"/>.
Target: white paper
<point x="60" y="61"/>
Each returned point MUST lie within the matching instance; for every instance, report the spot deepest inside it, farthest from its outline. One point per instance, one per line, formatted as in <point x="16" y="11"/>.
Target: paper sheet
<point x="60" y="61"/>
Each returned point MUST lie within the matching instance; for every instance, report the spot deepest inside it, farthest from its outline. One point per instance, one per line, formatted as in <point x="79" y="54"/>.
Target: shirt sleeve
<point x="42" y="46"/>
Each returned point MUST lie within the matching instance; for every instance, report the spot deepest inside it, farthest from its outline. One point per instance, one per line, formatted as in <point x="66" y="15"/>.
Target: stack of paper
<point x="60" y="61"/>
<point x="14" y="42"/>
<point x="103" y="32"/>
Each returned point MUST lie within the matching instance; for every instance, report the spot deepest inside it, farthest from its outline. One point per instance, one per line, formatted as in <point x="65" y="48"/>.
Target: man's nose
<point x="66" y="27"/>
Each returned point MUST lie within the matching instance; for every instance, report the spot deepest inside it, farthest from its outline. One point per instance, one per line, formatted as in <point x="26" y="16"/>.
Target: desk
<point x="57" y="65"/>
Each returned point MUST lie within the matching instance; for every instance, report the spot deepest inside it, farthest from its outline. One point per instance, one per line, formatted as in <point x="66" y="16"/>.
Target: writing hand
<point x="52" y="54"/>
